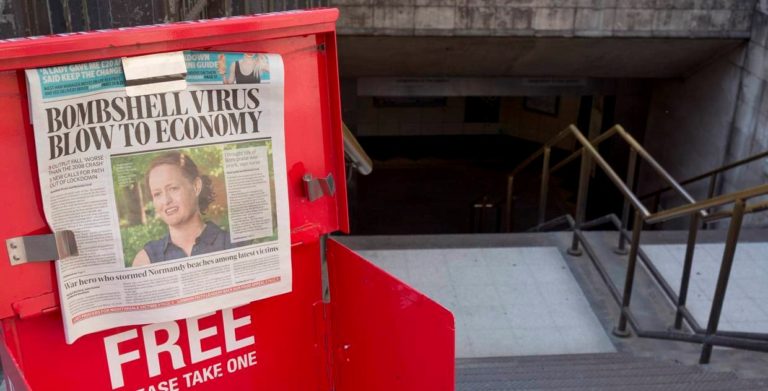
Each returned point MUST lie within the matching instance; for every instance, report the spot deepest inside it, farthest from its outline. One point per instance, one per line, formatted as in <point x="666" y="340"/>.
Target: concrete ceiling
<point x="528" y="56"/>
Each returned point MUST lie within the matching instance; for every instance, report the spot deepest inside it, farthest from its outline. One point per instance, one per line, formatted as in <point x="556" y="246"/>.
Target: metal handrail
<point x="713" y="202"/>
<point x="588" y="150"/>
<point x="697" y="210"/>
<point x="743" y="340"/>
<point x="724" y="214"/>
<point x="712" y="174"/>
<point x="355" y="152"/>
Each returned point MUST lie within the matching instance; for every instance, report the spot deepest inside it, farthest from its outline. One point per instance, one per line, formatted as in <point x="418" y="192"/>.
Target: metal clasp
<point x="318" y="187"/>
<point x="41" y="248"/>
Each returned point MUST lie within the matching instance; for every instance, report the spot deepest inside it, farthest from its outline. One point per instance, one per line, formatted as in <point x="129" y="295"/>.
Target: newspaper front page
<point x="178" y="200"/>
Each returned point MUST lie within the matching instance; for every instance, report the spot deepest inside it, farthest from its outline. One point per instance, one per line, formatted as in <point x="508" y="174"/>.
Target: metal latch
<point x="41" y="248"/>
<point x="318" y="187"/>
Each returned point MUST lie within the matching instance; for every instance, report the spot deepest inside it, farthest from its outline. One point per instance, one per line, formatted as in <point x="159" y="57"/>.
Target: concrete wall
<point x="581" y="18"/>
<point x="689" y="119"/>
<point x="748" y="133"/>
<point x="514" y="120"/>
<point x="8" y="25"/>
<point x="716" y="116"/>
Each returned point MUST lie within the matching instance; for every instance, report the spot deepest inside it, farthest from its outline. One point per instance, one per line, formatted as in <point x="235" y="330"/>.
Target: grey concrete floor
<point x="649" y="303"/>
<point x="653" y="309"/>
<point x="746" y="301"/>
<point x="507" y="301"/>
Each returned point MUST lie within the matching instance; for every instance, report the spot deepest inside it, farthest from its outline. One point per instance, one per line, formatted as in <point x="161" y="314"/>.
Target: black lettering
<point x="251" y="94"/>
<point x="118" y="109"/>
<point x="254" y="117"/>
<point x="100" y="136"/>
<point x="83" y="112"/>
<point x="82" y="140"/>
<point x="222" y="100"/>
<point x="197" y="100"/>
<point x="237" y="102"/>
<point x="54" y="121"/>
<point x="237" y="121"/>
<point x="141" y="133"/>
<point x="207" y="125"/>
<point x="221" y="125"/>
<point x="69" y="117"/>
<point x="127" y="127"/>
<point x="102" y="111"/>
<point x="54" y="141"/>
<point x="176" y="130"/>
<point x="191" y="128"/>
<point x="162" y="131"/>
<point x="177" y="105"/>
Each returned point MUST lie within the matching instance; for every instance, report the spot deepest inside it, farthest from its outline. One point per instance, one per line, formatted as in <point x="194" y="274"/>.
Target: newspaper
<point x="178" y="200"/>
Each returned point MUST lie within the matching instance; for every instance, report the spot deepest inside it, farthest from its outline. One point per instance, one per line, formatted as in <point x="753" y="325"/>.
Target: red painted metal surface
<point x="68" y="48"/>
<point x="281" y="343"/>
<point x="286" y="348"/>
<point x="306" y="40"/>
<point x="285" y="327"/>
<point x="386" y="335"/>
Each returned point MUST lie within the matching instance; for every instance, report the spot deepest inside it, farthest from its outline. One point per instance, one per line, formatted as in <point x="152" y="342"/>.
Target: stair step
<point x="557" y="362"/>
<point x="546" y="373"/>
<point x="599" y="371"/>
<point x="731" y="385"/>
<point x="636" y="379"/>
<point x="584" y="357"/>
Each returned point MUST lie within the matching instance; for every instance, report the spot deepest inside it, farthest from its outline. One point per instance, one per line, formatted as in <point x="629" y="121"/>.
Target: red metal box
<point x="375" y="333"/>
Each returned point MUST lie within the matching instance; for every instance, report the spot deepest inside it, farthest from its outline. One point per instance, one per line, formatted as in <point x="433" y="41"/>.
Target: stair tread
<point x="602" y="371"/>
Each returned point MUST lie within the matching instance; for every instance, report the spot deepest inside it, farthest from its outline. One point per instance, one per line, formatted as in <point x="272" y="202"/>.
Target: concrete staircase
<point x="599" y="371"/>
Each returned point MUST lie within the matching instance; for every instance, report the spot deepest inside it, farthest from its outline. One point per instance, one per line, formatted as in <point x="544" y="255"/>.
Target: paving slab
<point x="746" y="300"/>
<point x="507" y="301"/>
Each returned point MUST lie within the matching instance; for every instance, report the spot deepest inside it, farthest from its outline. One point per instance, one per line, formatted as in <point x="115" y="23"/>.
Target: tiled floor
<point x="506" y="301"/>
<point x="746" y="300"/>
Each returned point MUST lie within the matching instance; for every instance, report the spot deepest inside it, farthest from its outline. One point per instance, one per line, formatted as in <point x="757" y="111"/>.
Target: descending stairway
<point x="601" y="371"/>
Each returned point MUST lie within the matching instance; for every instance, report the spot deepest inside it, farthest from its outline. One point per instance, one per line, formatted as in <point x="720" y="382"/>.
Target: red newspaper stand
<point x="372" y="333"/>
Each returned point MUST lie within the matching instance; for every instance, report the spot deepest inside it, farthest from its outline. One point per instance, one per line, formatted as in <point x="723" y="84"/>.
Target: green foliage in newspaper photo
<point x="140" y="222"/>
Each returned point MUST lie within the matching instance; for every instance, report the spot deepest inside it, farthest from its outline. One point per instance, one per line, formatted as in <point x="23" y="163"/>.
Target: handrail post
<point x="687" y="266"/>
<point x="712" y="186"/>
<point x="637" y="227"/>
<point x="632" y="165"/>
<point x="711" y="192"/>
<point x="510" y="182"/>
<point x="581" y="201"/>
<point x="722" y="280"/>
<point x="544" y="186"/>
<point x="656" y="202"/>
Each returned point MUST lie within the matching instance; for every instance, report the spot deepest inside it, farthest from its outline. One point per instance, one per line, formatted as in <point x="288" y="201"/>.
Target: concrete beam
<point x="551" y="18"/>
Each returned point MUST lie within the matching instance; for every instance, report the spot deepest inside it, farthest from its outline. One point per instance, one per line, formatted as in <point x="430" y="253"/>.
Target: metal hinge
<point x="41" y="248"/>
<point x="317" y="187"/>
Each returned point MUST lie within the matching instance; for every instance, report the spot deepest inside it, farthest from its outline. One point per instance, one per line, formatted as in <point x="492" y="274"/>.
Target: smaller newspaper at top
<point x="177" y="199"/>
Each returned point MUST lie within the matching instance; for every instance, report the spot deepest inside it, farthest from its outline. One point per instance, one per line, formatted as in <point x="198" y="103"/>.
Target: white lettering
<point x="156" y="343"/>
<point x="153" y="349"/>
<point x="246" y="360"/>
<point x="196" y="337"/>
<point x="115" y="360"/>
<point x="167" y="385"/>
<point x="230" y="326"/>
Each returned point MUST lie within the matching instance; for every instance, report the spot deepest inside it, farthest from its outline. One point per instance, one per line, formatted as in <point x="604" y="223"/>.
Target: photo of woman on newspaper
<point x="180" y="196"/>
<point x="250" y="68"/>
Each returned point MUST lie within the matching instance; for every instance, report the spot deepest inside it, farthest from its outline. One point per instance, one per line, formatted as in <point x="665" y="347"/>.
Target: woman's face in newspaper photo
<point x="173" y="194"/>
